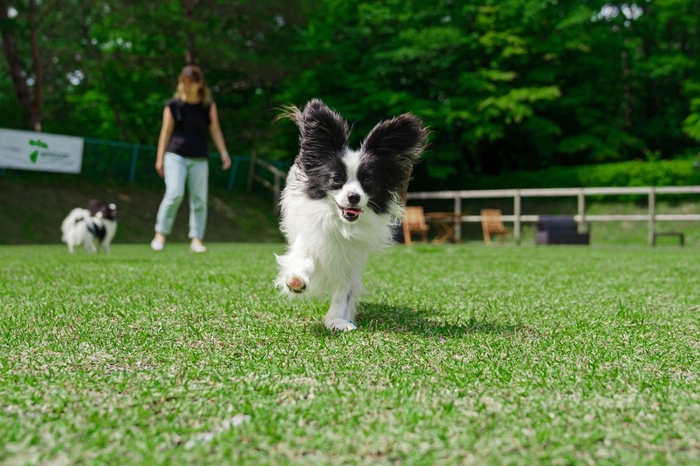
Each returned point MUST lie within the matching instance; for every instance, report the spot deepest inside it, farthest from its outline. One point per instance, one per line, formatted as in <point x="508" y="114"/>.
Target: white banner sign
<point x="26" y="150"/>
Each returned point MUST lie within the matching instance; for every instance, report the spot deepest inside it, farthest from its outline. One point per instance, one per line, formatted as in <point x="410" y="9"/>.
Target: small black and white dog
<point x="91" y="227"/>
<point x="340" y="204"/>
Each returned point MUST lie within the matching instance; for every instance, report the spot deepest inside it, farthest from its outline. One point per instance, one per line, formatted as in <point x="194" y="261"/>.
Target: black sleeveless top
<point x="191" y="132"/>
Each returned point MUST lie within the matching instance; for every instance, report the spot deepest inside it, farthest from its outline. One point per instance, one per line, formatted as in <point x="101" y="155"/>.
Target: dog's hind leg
<point x="341" y="314"/>
<point x="90" y="245"/>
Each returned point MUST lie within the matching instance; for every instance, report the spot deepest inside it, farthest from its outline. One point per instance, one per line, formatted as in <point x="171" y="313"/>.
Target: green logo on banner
<point x="36" y="143"/>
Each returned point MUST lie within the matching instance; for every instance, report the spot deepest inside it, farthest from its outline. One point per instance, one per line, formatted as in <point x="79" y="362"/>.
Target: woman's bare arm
<point x="166" y="131"/>
<point x="218" y="137"/>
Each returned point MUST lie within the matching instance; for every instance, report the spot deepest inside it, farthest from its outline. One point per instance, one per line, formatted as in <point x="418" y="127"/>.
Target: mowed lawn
<point x="464" y="355"/>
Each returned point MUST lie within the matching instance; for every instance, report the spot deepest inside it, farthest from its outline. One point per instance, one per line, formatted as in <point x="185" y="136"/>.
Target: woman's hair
<point x="195" y="74"/>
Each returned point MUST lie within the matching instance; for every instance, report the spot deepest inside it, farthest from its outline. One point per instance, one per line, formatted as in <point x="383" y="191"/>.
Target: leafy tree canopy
<point x="503" y="84"/>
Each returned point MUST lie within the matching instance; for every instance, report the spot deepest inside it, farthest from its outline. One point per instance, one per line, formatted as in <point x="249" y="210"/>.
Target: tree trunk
<point x="190" y="54"/>
<point x="14" y="63"/>
<point x="35" y="112"/>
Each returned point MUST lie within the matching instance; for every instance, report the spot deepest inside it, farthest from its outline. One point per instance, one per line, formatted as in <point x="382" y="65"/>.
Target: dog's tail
<point x="75" y="216"/>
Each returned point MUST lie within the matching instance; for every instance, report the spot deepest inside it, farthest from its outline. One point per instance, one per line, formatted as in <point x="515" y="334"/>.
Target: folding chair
<point x="491" y="223"/>
<point x="414" y="223"/>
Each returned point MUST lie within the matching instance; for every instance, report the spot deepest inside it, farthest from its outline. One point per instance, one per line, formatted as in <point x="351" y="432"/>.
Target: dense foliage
<point x="619" y="174"/>
<point x="504" y="84"/>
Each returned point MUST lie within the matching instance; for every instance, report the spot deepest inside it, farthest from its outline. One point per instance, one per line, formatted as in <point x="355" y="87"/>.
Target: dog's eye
<point x="336" y="179"/>
<point x="367" y="179"/>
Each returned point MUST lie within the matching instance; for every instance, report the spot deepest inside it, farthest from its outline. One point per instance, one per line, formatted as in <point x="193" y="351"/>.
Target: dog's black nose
<point x="353" y="198"/>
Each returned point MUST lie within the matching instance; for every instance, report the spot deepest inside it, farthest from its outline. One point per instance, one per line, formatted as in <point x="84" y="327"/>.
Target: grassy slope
<point x="465" y="355"/>
<point x="31" y="212"/>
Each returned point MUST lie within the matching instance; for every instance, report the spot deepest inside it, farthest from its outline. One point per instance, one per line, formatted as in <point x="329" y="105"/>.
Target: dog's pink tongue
<point x="354" y="211"/>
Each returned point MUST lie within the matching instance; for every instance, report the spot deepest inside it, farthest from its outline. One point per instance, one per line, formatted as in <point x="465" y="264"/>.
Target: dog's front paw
<point x="296" y="285"/>
<point x="340" y="325"/>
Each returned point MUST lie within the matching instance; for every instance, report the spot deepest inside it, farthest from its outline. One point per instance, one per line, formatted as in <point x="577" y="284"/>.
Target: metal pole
<point x="458" y="220"/>
<point x="652" y="213"/>
<point x="516" y="213"/>
<point x="134" y="159"/>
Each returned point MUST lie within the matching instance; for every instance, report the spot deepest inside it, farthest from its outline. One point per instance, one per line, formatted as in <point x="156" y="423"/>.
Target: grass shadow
<point x="376" y="318"/>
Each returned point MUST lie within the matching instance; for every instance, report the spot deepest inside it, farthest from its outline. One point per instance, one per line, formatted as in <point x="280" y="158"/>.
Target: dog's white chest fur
<point x="324" y="243"/>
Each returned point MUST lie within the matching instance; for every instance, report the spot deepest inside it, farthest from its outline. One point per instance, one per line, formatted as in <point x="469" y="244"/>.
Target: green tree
<point x="456" y="64"/>
<point x="503" y="84"/>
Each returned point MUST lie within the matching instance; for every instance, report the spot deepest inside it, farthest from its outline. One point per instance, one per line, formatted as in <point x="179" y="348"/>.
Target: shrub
<point x="622" y="174"/>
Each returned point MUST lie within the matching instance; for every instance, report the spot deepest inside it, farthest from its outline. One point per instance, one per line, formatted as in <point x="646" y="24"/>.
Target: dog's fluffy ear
<point x="401" y="139"/>
<point x="323" y="132"/>
<point x="395" y="145"/>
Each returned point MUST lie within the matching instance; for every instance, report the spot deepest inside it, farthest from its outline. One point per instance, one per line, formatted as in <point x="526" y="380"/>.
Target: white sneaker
<point x="197" y="247"/>
<point x="157" y="245"/>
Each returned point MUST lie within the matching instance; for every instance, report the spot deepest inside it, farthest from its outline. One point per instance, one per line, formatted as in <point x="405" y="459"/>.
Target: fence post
<point x="458" y="217"/>
<point x="516" y="213"/>
<point x="232" y="177"/>
<point x="251" y="171"/>
<point x="652" y="214"/>
<point x="134" y="159"/>
<point x="581" y="206"/>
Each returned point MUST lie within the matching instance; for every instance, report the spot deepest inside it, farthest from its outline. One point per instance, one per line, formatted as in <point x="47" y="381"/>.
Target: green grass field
<point x="464" y="355"/>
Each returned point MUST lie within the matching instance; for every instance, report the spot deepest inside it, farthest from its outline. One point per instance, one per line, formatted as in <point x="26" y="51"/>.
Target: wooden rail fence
<point x="580" y="193"/>
<point x="275" y="186"/>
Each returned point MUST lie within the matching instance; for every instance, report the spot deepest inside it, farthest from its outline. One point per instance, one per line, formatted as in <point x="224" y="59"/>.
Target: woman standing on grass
<point x="183" y="157"/>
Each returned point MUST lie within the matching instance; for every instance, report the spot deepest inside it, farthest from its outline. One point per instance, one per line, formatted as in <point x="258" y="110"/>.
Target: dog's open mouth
<point x="350" y="213"/>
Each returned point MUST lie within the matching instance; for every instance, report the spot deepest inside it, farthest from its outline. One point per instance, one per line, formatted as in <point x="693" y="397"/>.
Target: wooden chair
<point x="414" y="223"/>
<point x="491" y="223"/>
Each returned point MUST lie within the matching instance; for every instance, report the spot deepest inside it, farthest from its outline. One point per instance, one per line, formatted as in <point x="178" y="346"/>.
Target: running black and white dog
<point x="91" y="227"/>
<point x="340" y="204"/>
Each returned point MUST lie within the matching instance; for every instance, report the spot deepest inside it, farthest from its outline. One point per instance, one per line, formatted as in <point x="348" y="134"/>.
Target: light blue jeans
<point x="178" y="171"/>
